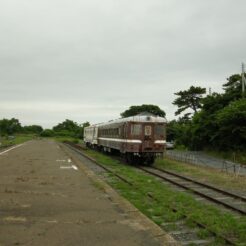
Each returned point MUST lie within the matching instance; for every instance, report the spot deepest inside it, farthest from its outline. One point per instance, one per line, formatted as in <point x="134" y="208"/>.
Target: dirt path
<point x="46" y="200"/>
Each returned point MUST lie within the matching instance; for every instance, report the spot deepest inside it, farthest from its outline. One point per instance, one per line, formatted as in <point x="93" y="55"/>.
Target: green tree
<point x="232" y="128"/>
<point x="70" y="128"/>
<point x="8" y="127"/>
<point x="189" y="99"/>
<point x="233" y="83"/>
<point x="204" y="124"/>
<point x="67" y="128"/>
<point x="171" y="130"/>
<point x="85" y="124"/>
<point x="47" y="133"/>
<point x="233" y="87"/>
<point x="220" y="122"/>
<point x="180" y="131"/>
<point x="82" y="126"/>
<point x="134" y="110"/>
<point x="33" y="129"/>
<point x="67" y="125"/>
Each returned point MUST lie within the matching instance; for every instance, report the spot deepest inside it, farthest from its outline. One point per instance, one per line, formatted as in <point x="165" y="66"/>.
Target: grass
<point x="21" y="138"/>
<point x="160" y="209"/>
<point x="98" y="185"/>
<point x="69" y="139"/>
<point x="204" y="174"/>
<point x="18" y="139"/>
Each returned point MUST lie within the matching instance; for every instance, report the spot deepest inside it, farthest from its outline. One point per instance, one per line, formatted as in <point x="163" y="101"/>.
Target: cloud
<point x="60" y="57"/>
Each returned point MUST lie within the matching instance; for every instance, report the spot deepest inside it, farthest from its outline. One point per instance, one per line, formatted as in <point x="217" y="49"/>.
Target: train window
<point x="159" y="130"/>
<point x="147" y="130"/>
<point x="136" y="129"/>
<point x="110" y="132"/>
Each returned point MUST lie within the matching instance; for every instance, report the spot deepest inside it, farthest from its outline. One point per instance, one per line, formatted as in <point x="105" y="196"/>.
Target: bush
<point x="47" y="133"/>
<point x="232" y="129"/>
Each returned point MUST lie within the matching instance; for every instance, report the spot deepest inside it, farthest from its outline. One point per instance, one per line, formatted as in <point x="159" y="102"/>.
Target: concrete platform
<point x="48" y="197"/>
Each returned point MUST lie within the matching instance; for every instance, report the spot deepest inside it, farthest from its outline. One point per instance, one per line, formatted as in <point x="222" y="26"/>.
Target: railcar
<point x="139" y="138"/>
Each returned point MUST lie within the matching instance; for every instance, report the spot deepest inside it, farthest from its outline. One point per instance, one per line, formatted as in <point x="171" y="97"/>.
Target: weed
<point x="204" y="174"/>
<point x="98" y="185"/>
<point x="161" y="208"/>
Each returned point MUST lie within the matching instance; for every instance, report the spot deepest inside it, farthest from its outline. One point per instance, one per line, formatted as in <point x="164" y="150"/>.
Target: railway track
<point x="228" y="200"/>
<point x="182" y="233"/>
<point x="216" y="195"/>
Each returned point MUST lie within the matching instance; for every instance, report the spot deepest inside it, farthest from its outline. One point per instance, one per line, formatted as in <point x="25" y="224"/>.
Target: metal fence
<point x="200" y="159"/>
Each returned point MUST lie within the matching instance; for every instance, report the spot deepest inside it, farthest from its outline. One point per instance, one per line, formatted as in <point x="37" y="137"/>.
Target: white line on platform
<point x="74" y="167"/>
<point x="69" y="167"/>
<point x="61" y="160"/>
<point x="66" y="167"/>
<point x="11" y="148"/>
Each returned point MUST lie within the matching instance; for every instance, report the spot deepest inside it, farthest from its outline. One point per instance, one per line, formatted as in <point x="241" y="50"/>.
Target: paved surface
<point x="47" y="199"/>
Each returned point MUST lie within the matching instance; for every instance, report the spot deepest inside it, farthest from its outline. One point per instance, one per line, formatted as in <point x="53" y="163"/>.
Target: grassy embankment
<point x="205" y="174"/>
<point x="18" y="139"/>
<point x="160" y="209"/>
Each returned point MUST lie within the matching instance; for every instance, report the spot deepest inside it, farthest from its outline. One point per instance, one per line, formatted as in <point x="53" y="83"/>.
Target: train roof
<point x="136" y="118"/>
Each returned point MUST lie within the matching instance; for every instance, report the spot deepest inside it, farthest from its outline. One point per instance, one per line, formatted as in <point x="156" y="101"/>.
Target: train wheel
<point x="150" y="160"/>
<point x="138" y="160"/>
<point x="130" y="158"/>
<point x="127" y="157"/>
<point x="99" y="148"/>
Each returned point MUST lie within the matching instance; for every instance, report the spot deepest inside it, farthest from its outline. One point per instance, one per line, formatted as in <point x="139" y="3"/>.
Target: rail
<point x="162" y="174"/>
<point x="80" y="149"/>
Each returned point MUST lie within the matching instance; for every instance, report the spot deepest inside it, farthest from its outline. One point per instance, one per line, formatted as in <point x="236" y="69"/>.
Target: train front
<point x="151" y="133"/>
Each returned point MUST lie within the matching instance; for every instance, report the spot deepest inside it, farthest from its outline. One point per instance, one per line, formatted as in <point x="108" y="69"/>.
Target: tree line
<point x="67" y="128"/>
<point x="13" y="126"/>
<point x="215" y="121"/>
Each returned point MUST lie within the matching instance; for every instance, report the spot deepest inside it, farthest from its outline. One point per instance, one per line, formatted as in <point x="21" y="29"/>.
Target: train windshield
<point x="159" y="130"/>
<point x="136" y="129"/>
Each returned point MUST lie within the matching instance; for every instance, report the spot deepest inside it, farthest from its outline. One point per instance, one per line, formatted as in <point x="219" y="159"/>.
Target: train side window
<point x="136" y="129"/>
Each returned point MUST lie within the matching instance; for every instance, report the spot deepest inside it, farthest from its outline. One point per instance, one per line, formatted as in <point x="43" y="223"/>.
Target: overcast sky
<point x="89" y="60"/>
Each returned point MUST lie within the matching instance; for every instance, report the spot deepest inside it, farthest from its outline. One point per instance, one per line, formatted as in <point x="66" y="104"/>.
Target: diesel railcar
<point x="139" y="138"/>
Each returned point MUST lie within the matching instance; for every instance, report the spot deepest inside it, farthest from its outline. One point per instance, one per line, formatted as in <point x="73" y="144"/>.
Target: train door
<point x="95" y="133"/>
<point x="148" y="133"/>
<point x="124" y="137"/>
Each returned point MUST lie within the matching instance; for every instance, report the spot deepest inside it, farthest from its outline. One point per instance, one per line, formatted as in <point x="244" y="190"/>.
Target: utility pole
<point x="243" y="80"/>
